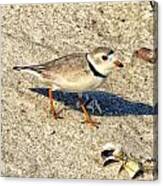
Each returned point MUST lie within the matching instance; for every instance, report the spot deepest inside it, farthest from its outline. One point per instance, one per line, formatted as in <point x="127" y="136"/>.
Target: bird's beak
<point x="118" y="63"/>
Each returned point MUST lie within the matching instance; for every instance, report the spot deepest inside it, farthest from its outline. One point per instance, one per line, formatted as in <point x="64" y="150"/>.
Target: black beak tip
<point x="121" y="65"/>
<point x="118" y="64"/>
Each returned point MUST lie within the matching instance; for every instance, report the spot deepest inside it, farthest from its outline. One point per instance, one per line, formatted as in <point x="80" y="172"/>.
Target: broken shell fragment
<point x="110" y="149"/>
<point x="133" y="168"/>
<point x="110" y="160"/>
<point x="107" y="153"/>
<point x="115" y="153"/>
<point x="146" y="54"/>
<point x="111" y="153"/>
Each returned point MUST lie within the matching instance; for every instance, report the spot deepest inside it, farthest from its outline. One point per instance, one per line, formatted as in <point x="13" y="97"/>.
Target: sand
<point x="36" y="145"/>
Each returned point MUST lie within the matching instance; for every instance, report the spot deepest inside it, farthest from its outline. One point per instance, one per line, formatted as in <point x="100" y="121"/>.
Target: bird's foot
<point x="87" y="119"/>
<point x="91" y="123"/>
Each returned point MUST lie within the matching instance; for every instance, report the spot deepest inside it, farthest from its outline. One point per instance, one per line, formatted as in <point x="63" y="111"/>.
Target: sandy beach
<point x="36" y="145"/>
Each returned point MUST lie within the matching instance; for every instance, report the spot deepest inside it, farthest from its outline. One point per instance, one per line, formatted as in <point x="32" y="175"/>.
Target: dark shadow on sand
<point x="111" y="104"/>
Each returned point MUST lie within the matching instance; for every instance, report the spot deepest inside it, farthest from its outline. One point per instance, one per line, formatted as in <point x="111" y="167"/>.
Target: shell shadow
<point x="111" y="104"/>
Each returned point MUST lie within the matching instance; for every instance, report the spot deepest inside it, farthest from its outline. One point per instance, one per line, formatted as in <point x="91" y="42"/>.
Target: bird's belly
<point x="80" y="85"/>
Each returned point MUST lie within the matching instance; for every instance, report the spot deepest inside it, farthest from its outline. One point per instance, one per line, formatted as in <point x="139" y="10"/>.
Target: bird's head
<point x="104" y="59"/>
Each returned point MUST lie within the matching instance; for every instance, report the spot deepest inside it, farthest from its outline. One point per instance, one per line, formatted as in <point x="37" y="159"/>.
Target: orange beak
<point x="118" y="64"/>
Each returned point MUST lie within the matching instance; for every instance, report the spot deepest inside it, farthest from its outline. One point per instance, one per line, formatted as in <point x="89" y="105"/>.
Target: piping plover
<point x="77" y="72"/>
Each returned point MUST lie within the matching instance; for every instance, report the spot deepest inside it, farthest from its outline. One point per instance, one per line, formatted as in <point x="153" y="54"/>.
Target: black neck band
<point x="92" y="68"/>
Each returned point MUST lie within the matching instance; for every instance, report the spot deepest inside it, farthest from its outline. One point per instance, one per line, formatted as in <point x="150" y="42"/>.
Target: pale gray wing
<point x="70" y="67"/>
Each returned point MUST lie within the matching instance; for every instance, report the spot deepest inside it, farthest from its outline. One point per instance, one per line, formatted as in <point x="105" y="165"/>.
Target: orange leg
<point x="87" y="118"/>
<point x="52" y="109"/>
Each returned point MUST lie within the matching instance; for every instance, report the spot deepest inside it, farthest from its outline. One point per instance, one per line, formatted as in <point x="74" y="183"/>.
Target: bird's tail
<point x="34" y="69"/>
<point x="19" y="68"/>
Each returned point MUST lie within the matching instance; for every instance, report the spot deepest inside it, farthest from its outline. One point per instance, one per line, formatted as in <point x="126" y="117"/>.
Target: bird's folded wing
<point x="70" y="67"/>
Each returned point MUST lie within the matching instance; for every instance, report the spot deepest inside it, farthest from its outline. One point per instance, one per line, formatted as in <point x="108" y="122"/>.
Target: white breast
<point x="84" y="84"/>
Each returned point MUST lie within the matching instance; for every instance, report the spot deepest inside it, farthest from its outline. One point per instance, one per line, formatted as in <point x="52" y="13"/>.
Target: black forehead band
<point x="110" y="52"/>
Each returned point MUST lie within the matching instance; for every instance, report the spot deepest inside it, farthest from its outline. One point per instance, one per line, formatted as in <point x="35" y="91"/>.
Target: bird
<point x="75" y="72"/>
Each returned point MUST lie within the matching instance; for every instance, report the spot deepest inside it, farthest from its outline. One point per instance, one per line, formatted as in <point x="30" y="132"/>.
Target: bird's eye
<point x="105" y="58"/>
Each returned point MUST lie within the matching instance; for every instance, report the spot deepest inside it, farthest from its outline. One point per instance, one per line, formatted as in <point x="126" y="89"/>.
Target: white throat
<point x="101" y="69"/>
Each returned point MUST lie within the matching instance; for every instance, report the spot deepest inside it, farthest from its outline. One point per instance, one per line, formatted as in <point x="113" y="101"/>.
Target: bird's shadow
<point x="111" y="104"/>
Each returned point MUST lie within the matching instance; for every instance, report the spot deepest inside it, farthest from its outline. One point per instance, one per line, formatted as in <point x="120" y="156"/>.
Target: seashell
<point x="114" y="153"/>
<point x="133" y="168"/>
<point x="146" y="54"/>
